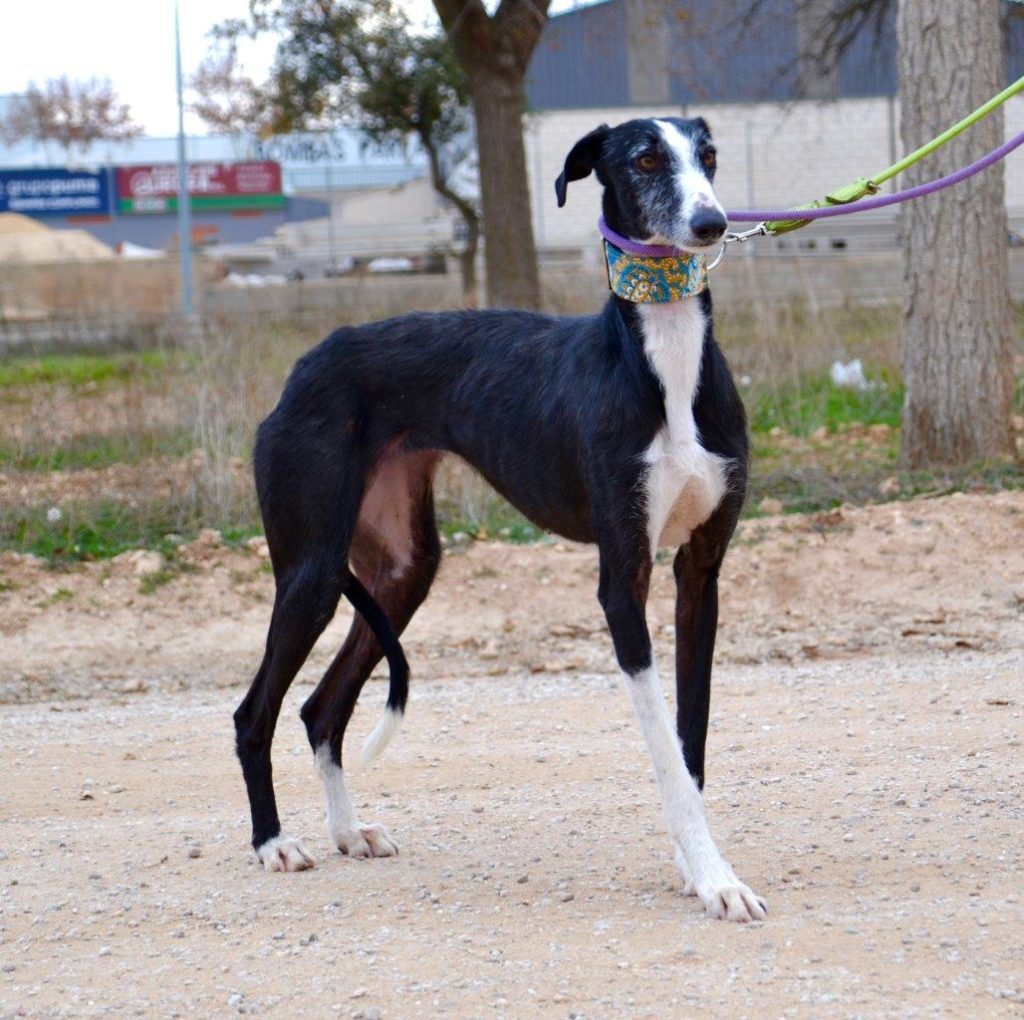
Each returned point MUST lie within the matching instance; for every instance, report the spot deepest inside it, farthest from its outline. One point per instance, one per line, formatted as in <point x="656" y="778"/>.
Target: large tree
<point x="72" y="114"/>
<point x="359" y="60"/>
<point x="957" y="343"/>
<point x="495" y="50"/>
<point x="957" y="337"/>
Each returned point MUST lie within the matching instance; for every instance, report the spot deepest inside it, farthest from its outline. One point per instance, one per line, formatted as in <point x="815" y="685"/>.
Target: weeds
<point x="156" y="579"/>
<point x="814" y="402"/>
<point x="82" y="369"/>
<point x="167" y="434"/>
<point x="91" y="450"/>
<point x="60" y="595"/>
<point x="88" y="531"/>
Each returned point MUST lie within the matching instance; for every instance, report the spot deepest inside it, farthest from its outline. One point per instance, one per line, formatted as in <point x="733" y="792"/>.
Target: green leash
<point x="870" y="185"/>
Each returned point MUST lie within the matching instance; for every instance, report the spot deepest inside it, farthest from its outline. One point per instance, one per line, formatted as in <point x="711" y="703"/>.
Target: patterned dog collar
<point x="645" y="280"/>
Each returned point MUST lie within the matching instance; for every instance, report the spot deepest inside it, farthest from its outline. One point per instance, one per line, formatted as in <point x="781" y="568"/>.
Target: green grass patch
<point x="60" y="595"/>
<point x="501" y="521"/>
<point x="105" y="530"/>
<point x="813" y="489"/>
<point x="86" y="533"/>
<point x="806" y="452"/>
<point x="236" y="535"/>
<point x="802" y="408"/>
<point x="82" y="369"/>
<point x="102" y="530"/>
<point x="157" y="579"/>
<point x="98" y="451"/>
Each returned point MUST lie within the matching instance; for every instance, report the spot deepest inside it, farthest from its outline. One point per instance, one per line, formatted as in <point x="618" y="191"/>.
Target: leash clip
<point x="761" y="230"/>
<point x="745" y="235"/>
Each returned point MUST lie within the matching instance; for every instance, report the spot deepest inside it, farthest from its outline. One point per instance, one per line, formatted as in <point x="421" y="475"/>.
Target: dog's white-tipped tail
<point x="382" y="733"/>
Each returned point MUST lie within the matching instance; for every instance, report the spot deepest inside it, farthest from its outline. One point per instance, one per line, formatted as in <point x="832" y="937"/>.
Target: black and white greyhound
<point x="623" y="429"/>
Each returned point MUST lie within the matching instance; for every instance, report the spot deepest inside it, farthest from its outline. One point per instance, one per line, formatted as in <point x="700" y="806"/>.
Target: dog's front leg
<point x="623" y="594"/>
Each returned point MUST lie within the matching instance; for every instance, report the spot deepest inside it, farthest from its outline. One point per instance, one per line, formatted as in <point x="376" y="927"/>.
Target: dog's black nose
<point x="708" y="225"/>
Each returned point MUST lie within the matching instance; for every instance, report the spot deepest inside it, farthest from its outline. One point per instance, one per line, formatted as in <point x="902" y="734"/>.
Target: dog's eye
<point x="708" y="159"/>
<point x="646" y="161"/>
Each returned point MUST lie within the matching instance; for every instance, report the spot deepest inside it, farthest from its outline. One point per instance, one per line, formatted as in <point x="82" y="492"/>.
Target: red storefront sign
<point x="154" y="189"/>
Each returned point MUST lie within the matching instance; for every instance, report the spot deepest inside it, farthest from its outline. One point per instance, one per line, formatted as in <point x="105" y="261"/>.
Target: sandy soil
<point x="865" y="777"/>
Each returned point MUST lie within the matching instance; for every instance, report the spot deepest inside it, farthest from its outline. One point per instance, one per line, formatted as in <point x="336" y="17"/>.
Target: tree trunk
<point x="467" y="260"/>
<point x="957" y="330"/>
<point x="495" y="52"/>
<point x="467" y="263"/>
<point x="510" y="255"/>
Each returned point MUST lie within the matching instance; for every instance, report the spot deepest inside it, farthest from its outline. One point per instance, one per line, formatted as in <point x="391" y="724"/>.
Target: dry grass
<point x="130" y="447"/>
<point x="144" y="290"/>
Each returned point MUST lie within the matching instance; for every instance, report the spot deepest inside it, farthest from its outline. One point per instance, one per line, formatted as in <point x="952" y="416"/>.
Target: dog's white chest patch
<point x="684" y="483"/>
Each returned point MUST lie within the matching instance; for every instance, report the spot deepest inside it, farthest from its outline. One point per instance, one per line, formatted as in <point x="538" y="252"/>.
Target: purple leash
<point x="651" y="251"/>
<point x="880" y="201"/>
<point x="659" y="251"/>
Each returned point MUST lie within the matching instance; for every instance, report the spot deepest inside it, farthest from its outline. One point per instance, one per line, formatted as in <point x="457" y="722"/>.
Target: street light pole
<point x="184" y="211"/>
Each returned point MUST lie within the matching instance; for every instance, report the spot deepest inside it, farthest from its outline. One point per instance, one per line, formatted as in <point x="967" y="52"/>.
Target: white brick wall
<point x="769" y="154"/>
<point x="1013" y="119"/>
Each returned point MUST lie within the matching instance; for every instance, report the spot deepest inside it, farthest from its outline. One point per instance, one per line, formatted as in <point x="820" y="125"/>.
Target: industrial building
<point x="786" y="133"/>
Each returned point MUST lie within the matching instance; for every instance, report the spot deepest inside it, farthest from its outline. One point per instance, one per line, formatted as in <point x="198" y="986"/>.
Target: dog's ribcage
<point x="684" y="483"/>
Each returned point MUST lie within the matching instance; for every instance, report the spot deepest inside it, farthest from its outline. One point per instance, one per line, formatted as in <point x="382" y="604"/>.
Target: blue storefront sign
<point x="56" y="192"/>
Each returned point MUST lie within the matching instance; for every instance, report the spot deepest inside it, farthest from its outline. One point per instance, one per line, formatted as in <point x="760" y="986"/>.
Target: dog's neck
<point x="643" y="279"/>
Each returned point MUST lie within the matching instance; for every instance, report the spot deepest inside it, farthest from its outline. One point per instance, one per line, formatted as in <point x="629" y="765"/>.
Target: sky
<point x="131" y="42"/>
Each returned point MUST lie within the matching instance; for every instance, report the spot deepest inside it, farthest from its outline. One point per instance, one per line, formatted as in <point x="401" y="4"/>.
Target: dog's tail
<point x="398" y="692"/>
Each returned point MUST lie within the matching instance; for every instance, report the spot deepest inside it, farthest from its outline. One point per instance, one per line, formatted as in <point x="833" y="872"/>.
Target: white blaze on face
<point x="695" y="191"/>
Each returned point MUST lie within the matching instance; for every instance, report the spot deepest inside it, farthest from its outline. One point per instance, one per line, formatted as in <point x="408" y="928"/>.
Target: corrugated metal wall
<point x="581" y="60"/>
<point x="715" y="54"/>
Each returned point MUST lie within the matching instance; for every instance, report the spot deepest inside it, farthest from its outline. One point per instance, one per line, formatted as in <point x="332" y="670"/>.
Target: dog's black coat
<point x="482" y="385"/>
<point x="555" y="412"/>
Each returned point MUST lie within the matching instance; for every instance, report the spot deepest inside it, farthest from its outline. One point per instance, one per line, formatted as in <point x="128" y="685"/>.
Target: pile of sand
<point x="23" y="239"/>
<point x="15" y="223"/>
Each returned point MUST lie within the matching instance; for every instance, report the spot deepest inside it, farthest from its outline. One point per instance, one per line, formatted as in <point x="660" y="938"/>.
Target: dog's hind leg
<point x="308" y="528"/>
<point x="396" y="552"/>
<point x="305" y="603"/>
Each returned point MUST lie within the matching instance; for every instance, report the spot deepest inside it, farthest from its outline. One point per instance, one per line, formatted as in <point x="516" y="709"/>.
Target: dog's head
<point x="657" y="176"/>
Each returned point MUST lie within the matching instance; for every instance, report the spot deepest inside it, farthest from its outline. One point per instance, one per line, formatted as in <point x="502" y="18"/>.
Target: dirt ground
<point x="865" y="777"/>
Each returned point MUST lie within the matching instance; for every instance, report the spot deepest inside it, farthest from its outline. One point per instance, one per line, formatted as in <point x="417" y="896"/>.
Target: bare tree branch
<point x="74" y="114"/>
<point x="352" y="60"/>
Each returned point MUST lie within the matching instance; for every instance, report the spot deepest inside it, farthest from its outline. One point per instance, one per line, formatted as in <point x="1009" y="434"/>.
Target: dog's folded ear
<point x="583" y="157"/>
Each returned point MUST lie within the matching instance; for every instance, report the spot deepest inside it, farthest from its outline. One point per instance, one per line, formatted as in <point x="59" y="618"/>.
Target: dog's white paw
<point x="724" y="896"/>
<point x="689" y="886"/>
<point x="731" y="900"/>
<point x="366" y="841"/>
<point x="283" y="853"/>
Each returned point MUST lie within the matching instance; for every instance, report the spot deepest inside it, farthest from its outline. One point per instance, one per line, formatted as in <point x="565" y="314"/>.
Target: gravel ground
<point x="865" y="776"/>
